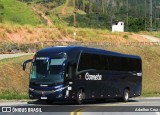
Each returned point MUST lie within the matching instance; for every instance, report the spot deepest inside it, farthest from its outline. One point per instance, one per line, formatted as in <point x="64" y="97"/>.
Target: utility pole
<point x="97" y="14"/>
<point x="158" y="9"/>
<point x="151" y="15"/>
<point x="127" y="16"/>
<point x="74" y="5"/>
<point x="145" y="15"/>
<point x="155" y="15"/>
<point x="111" y="14"/>
<point x="74" y="16"/>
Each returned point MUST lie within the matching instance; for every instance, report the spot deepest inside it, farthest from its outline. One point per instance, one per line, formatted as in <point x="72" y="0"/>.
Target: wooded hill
<point x="100" y="13"/>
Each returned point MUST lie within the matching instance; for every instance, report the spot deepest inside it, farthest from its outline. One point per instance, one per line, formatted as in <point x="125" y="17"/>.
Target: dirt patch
<point x="43" y="16"/>
<point x="63" y="11"/>
<point x="139" y="38"/>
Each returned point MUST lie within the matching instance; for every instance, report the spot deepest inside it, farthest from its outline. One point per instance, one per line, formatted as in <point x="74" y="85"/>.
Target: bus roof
<point x="68" y="49"/>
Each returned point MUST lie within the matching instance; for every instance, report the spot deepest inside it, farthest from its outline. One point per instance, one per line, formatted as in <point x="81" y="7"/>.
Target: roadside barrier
<point x="33" y="47"/>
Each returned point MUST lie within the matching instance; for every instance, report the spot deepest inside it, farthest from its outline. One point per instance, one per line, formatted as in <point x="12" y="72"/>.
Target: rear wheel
<point x="125" y="95"/>
<point x="80" y="97"/>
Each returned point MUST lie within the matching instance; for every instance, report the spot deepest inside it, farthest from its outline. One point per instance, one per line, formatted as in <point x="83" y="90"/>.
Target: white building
<point x="118" y="26"/>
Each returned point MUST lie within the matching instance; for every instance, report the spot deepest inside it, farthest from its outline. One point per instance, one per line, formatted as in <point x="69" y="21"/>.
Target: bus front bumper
<point x="49" y="94"/>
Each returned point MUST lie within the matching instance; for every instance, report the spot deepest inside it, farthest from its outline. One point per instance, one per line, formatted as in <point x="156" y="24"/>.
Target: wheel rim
<point x="80" y="97"/>
<point x="126" y="95"/>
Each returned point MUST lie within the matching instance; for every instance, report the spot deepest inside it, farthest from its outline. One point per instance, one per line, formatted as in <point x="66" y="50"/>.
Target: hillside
<point x="59" y="17"/>
<point x="101" y="13"/>
<point x="17" y="37"/>
<point x="16" y="12"/>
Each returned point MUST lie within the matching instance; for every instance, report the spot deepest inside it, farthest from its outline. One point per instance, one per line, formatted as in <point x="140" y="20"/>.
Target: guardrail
<point x="33" y="47"/>
<point x="68" y="43"/>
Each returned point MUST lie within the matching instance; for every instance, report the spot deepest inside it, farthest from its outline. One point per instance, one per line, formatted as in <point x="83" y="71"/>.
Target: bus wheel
<point x="79" y="97"/>
<point x="125" y="95"/>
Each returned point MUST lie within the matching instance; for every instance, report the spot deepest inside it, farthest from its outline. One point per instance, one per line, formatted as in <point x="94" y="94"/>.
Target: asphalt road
<point x="151" y="38"/>
<point x="4" y="56"/>
<point x="151" y="105"/>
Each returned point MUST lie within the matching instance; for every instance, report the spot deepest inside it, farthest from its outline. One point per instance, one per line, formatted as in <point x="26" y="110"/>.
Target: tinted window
<point x="123" y="64"/>
<point x="93" y="61"/>
<point x="103" y="62"/>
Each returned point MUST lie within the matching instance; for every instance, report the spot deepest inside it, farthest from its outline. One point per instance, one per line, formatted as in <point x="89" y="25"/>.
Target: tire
<point x="125" y="97"/>
<point x="80" y="97"/>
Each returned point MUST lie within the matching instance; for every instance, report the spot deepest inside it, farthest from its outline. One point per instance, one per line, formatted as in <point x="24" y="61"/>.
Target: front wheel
<point x="80" y="96"/>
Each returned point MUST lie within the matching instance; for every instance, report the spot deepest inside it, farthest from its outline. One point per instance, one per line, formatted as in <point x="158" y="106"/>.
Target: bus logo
<point x="93" y="77"/>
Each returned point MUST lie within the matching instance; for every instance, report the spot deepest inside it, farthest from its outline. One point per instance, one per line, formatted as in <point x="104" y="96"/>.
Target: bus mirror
<point x="24" y="64"/>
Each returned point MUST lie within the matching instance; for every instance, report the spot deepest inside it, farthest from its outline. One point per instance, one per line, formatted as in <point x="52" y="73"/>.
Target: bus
<point x="79" y="73"/>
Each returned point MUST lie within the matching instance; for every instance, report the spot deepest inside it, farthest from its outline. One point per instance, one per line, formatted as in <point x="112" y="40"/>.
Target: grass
<point x="16" y="12"/>
<point x="8" y="95"/>
<point x="150" y="94"/>
<point x="28" y="34"/>
<point x="156" y="34"/>
<point x="69" y="11"/>
<point x="14" y="81"/>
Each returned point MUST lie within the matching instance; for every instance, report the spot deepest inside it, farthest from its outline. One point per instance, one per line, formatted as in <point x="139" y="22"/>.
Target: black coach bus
<point x="79" y="73"/>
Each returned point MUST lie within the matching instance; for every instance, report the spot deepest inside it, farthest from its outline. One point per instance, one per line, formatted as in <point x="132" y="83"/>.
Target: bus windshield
<point x="47" y="71"/>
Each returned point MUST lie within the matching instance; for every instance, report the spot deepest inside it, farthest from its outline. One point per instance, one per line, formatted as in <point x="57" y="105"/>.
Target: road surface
<point x="4" y="56"/>
<point x="151" y="105"/>
<point x="151" y="38"/>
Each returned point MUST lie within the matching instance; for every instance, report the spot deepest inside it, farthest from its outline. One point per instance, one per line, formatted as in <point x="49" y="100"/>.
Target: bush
<point x="47" y="13"/>
<point x="125" y="36"/>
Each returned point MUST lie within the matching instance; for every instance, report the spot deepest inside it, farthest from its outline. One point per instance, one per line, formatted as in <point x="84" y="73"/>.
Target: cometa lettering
<point x="93" y="77"/>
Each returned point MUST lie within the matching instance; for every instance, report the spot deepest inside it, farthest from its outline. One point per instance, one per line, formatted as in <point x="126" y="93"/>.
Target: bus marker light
<point x="44" y="85"/>
<point x="70" y="82"/>
<point x="67" y="93"/>
<point x="31" y="89"/>
<point x="69" y="88"/>
<point x="43" y="97"/>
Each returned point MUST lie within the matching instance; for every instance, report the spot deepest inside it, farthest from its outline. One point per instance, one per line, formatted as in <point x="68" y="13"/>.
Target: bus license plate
<point x="43" y="97"/>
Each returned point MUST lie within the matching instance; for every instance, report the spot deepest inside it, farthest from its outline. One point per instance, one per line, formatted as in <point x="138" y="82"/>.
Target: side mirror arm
<point x="25" y="63"/>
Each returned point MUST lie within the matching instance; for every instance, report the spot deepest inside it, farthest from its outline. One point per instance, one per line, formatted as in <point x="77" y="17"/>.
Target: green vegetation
<point x="12" y="95"/>
<point x="18" y="13"/>
<point x="125" y="37"/>
<point x="97" y="14"/>
<point x="156" y="34"/>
